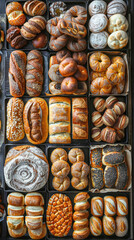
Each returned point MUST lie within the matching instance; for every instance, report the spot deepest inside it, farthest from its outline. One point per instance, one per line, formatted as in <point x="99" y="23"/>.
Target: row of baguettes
<point x="33" y="120"/>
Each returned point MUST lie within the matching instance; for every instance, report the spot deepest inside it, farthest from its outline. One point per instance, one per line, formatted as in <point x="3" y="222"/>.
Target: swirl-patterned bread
<point x="109" y="206"/>
<point x="26" y="168"/>
<point x="96" y="7"/>
<point x="76" y="14"/>
<point x="34" y="73"/>
<point x="116" y="6"/>
<point x="52" y="28"/>
<point x="17" y="69"/>
<point x="15" y="128"/>
<point x="62" y="206"/>
<point x="99" y="40"/>
<point x="35" y="120"/>
<point x="98" y="23"/>
<point x="34" y="8"/>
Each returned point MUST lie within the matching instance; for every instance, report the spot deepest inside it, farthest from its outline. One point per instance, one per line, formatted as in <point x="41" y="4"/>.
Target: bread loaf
<point x="26" y="168"/>
<point x="80" y="216"/>
<point x="35" y="120"/>
<point x="61" y="204"/>
<point x="34" y="8"/>
<point x="122" y="176"/>
<point x="15" y="210"/>
<point x="34" y="199"/>
<point x="15" y="199"/>
<point x="33" y="27"/>
<point x="79" y="118"/>
<point x="17" y="69"/>
<point x="59" y="120"/>
<point x="14" y="12"/>
<point x="15" y="128"/>
<point x="34" y="73"/>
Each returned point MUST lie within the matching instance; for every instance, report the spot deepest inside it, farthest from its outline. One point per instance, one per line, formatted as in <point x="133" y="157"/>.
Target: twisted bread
<point x="14" y="38"/>
<point x="14" y="12"/>
<point x="76" y="14"/>
<point x="33" y="27"/>
<point x="77" y="45"/>
<point x="34" y="73"/>
<point x="57" y="43"/>
<point x="52" y="28"/>
<point x="80" y="216"/>
<point x="34" y="8"/>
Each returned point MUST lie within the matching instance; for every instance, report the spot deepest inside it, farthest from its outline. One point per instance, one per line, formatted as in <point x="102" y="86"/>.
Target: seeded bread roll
<point x="97" y="178"/>
<point x="109" y="206"/>
<point x="97" y="206"/>
<point x="109" y="148"/>
<point x="122" y="205"/>
<point x="113" y="158"/>
<point x="122" y="176"/>
<point x="110" y="176"/>
<point x="96" y="157"/>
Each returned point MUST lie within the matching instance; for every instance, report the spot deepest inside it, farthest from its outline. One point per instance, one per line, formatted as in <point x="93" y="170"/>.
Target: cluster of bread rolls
<point x="67" y="29"/>
<point x="117" y="24"/>
<point x="59" y="215"/>
<point x="109" y="167"/>
<point x="60" y="169"/>
<point x="79" y="118"/>
<point x="30" y="120"/>
<point x="67" y="73"/>
<point x="26" y="72"/>
<point x="34" y="203"/>
<point x="59" y="120"/>
<point x="107" y="75"/>
<point x="79" y="169"/>
<point x="111" y="206"/>
<point x="81" y="228"/>
<point x="31" y="29"/>
<point x="111" y="113"/>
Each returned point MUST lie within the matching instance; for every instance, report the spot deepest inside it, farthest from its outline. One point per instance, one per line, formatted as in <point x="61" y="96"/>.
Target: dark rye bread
<point x="122" y="176"/>
<point x="33" y="27"/>
<point x="97" y="178"/>
<point x="34" y="73"/>
<point x="113" y="158"/>
<point x="109" y="148"/>
<point x="110" y="176"/>
<point x="96" y="157"/>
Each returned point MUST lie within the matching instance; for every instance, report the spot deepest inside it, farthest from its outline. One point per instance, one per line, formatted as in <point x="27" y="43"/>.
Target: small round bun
<point x="79" y="183"/>
<point x="118" y="40"/>
<point x="116" y="6"/>
<point x="80" y="170"/>
<point x="108" y="135"/>
<point x="81" y="73"/>
<point x="60" y="169"/>
<point x="109" y="117"/>
<point x="110" y="101"/>
<point x="97" y="119"/>
<point x="40" y="41"/>
<point x="69" y="85"/>
<point x="76" y="155"/>
<point x="96" y="7"/>
<point x="61" y="184"/>
<point x="117" y="22"/>
<point x="99" y="40"/>
<point x="98" y="23"/>
<point x="62" y="55"/>
<point x="54" y="73"/>
<point x="58" y="154"/>
<point x="68" y="67"/>
<point x="99" y="104"/>
<point x="99" y="62"/>
<point x="121" y="226"/>
<point x="119" y="108"/>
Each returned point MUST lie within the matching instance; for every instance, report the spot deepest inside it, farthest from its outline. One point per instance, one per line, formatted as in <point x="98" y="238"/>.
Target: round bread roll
<point x="54" y="74"/>
<point x="58" y="154"/>
<point x="99" y="62"/>
<point x="62" y="55"/>
<point x="99" y="104"/>
<point x="40" y="41"/>
<point x="61" y="184"/>
<point x="80" y="58"/>
<point x="96" y="7"/>
<point x="116" y="6"/>
<point x="80" y="170"/>
<point x="69" y="85"/>
<point x="79" y="183"/>
<point x="121" y="226"/>
<point x="99" y="40"/>
<point x="60" y="169"/>
<point x="98" y="23"/>
<point x="76" y="155"/>
<point x="118" y="40"/>
<point x="117" y="22"/>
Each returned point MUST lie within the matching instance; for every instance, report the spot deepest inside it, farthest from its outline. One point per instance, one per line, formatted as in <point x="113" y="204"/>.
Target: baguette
<point x="72" y="29"/>
<point x="35" y="120"/>
<point x="17" y="69"/>
<point x="15" y="128"/>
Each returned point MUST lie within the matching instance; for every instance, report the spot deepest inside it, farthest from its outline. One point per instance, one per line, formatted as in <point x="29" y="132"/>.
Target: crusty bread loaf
<point x="38" y="233"/>
<point x="15" y="128"/>
<point x="15" y="199"/>
<point x="59" y="120"/>
<point x="79" y="118"/>
<point x="34" y="199"/>
<point x="35" y="120"/>
<point x="34" y="8"/>
<point x="34" y="73"/>
<point x="17" y="69"/>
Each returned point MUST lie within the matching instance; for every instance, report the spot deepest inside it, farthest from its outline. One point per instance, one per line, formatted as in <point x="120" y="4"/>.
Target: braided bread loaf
<point x="33" y="27"/>
<point x="80" y="216"/>
<point x="34" y="73"/>
<point x="34" y="8"/>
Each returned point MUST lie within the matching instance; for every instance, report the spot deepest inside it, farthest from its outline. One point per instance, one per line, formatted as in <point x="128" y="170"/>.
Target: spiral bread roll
<point x="96" y="7"/>
<point x="61" y="184"/>
<point x="109" y="117"/>
<point x="80" y="118"/>
<point x="15" y="15"/>
<point x="95" y="75"/>
<point x="122" y="206"/>
<point x="34" y="73"/>
<point x="61" y="204"/>
<point x="57" y="8"/>
<point x="54" y="73"/>
<point x="60" y="169"/>
<point x="80" y="170"/>
<point x="76" y="155"/>
<point x="17" y="69"/>
<point x="59" y="120"/>
<point x="14" y="38"/>
<point x="52" y="28"/>
<point x="109" y="206"/>
<point x="98" y="23"/>
<point x="34" y="8"/>
<point x="81" y="223"/>
<point x="76" y="14"/>
<point x="99" y="62"/>
<point x="108" y="225"/>
<point x="76" y="45"/>
<point x="34" y="173"/>
<point x="97" y="206"/>
<point x="58" y="154"/>
<point x="95" y="226"/>
<point x="15" y="128"/>
<point x="35" y="120"/>
<point x="33" y="27"/>
<point x="116" y="6"/>
<point x="99" y="40"/>
<point x="110" y="101"/>
<point x="57" y="43"/>
<point x="62" y="55"/>
<point x="121" y="226"/>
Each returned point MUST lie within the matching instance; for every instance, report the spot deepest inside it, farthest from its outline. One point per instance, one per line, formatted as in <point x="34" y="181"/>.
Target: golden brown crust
<point x="122" y="206"/>
<point x="34" y="210"/>
<point x="58" y="154"/>
<point x="99" y="62"/>
<point x="34" y="222"/>
<point x="15" y="199"/>
<point x="36" y="112"/>
<point x="79" y="183"/>
<point x="60" y="169"/>
<point x="97" y="206"/>
<point x="61" y="204"/>
<point x="34" y="8"/>
<point x="95" y="226"/>
<point x="15" y="222"/>
<point x="61" y="184"/>
<point x="17" y="233"/>
<point x="38" y="233"/>
<point x="15" y="14"/>
<point x="76" y="155"/>
<point x="108" y="225"/>
<point x="15" y="211"/>
<point x="82" y="196"/>
<point x="109" y="206"/>
<point x="34" y="199"/>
